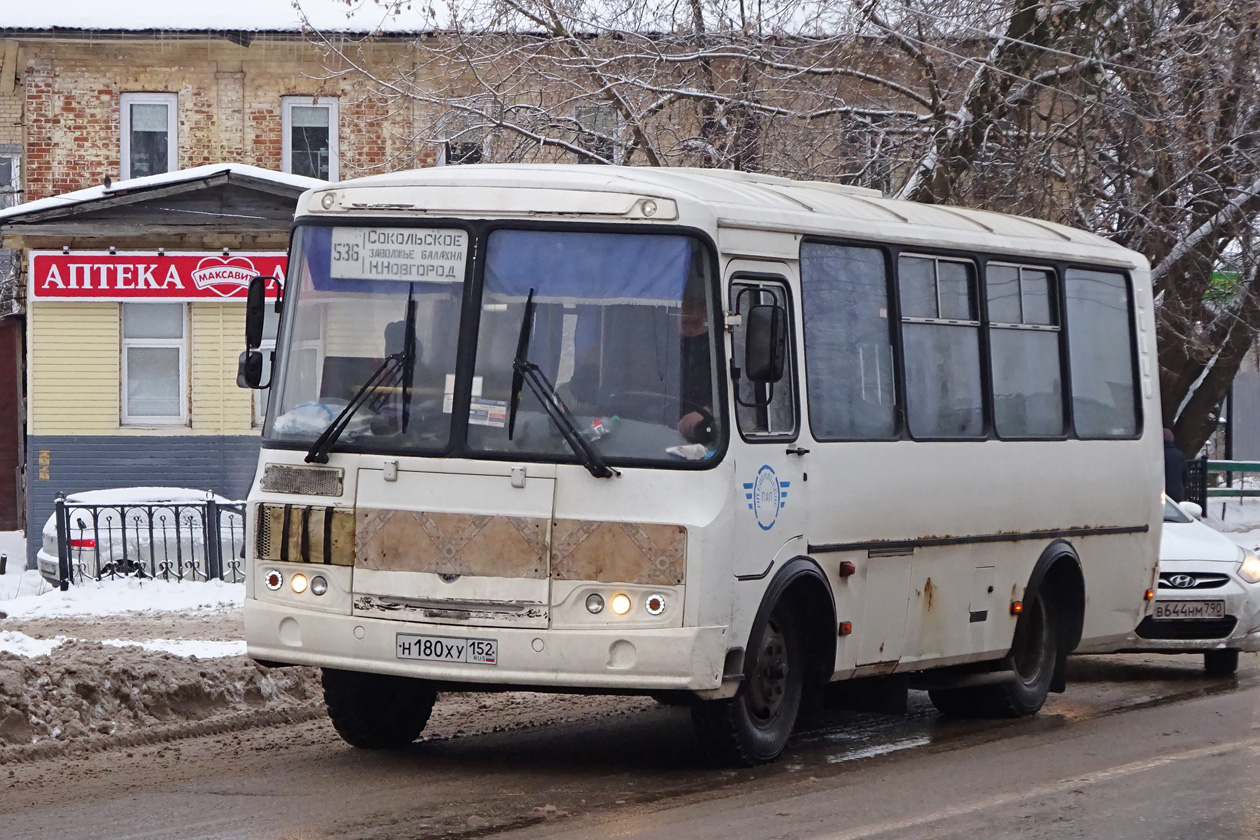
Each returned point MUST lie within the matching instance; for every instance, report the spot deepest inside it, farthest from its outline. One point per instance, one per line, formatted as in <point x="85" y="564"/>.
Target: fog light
<point x="594" y="603"/>
<point x="621" y="603"/>
<point x="318" y="585"/>
<point x="298" y="582"/>
<point x="655" y="604"/>
<point x="274" y="580"/>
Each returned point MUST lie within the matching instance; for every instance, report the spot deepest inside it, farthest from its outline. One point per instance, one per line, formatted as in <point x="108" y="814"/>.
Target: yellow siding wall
<point x="72" y="359"/>
<point x="218" y="337"/>
<point x="73" y="363"/>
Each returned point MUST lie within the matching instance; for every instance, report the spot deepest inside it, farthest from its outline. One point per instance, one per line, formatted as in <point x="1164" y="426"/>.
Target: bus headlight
<point x="298" y="582"/>
<point x="621" y="603"/>
<point x="319" y="585"/>
<point x="594" y="603"/>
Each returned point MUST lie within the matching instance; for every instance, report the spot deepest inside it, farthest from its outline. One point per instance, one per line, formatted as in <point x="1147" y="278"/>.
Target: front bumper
<point x="685" y="658"/>
<point x="1239" y="631"/>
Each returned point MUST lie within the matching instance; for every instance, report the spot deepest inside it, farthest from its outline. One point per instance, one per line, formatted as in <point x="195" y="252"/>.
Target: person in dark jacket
<point x="1176" y="473"/>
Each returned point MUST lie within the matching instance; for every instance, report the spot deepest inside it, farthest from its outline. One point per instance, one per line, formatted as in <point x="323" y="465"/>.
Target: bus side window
<point x="849" y="376"/>
<point x="940" y="336"/>
<point x="777" y="418"/>
<point x="1100" y="346"/>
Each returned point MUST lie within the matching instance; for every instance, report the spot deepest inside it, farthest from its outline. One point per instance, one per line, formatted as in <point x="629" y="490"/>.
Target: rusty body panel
<point x="452" y="543"/>
<point x="619" y="552"/>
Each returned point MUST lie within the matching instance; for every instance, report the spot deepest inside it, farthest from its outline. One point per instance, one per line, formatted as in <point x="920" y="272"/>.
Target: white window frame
<point x="329" y="103"/>
<point x="11" y="196"/>
<point x="163" y="343"/>
<point x="171" y="101"/>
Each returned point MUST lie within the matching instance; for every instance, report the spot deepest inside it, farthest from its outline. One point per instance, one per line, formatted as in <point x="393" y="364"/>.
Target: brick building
<point x="94" y="96"/>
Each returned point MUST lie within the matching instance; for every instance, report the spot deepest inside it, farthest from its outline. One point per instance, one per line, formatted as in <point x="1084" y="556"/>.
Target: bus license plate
<point x="1189" y="609"/>
<point x="448" y="649"/>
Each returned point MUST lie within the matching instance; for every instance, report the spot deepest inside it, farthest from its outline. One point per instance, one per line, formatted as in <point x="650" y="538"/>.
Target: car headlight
<point x="1250" y="568"/>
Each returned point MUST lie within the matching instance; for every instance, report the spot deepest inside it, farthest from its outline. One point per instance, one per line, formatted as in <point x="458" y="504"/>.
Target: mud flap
<point x="1058" y="683"/>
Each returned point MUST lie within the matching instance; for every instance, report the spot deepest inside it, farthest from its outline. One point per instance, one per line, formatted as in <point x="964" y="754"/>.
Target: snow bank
<point x="20" y="644"/>
<point x="127" y="595"/>
<point x="1233" y="515"/>
<point x="81" y="688"/>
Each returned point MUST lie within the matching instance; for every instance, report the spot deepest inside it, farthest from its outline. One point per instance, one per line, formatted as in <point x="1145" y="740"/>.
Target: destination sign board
<point x="421" y="255"/>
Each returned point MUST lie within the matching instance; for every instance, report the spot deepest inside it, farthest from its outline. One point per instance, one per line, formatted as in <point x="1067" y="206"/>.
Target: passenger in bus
<point x="696" y="380"/>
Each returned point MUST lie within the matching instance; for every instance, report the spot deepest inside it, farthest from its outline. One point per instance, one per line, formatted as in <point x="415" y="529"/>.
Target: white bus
<point x="716" y="437"/>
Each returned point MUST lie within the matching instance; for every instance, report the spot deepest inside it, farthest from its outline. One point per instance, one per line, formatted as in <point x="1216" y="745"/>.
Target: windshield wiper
<point x="526" y="372"/>
<point x="400" y="365"/>
<point x="522" y="348"/>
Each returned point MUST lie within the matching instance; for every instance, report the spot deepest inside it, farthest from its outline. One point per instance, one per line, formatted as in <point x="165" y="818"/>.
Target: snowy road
<point x="1139" y="747"/>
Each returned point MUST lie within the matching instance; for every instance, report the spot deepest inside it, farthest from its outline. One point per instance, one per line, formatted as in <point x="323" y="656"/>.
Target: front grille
<point x="310" y="481"/>
<point x="304" y="534"/>
<point x="1198" y="628"/>
<point x="262" y="533"/>
<point x="1202" y="580"/>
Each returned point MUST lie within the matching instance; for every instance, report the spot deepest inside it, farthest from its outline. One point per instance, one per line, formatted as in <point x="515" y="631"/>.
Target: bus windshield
<point x="619" y="334"/>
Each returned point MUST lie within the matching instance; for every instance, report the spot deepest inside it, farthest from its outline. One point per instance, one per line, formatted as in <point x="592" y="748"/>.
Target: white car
<point x="143" y="531"/>
<point x="1208" y="599"/>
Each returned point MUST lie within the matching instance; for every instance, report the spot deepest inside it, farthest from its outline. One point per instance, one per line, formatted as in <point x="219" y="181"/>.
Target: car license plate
<point x="1190" y="609"/>
<point x="448" y="649"/>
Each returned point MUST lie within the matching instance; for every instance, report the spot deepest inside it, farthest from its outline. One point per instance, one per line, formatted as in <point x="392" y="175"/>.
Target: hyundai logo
<point x="1181" y="581"/>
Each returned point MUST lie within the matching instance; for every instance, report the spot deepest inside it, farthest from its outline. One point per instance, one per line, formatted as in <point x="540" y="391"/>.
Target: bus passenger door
<point x="769" y="469"/>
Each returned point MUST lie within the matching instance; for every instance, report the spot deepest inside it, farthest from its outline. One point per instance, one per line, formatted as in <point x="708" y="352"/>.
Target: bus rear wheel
<point x="753" y="727"/>
<point x="377" y="711"/>
<point x="1033" y="658"/>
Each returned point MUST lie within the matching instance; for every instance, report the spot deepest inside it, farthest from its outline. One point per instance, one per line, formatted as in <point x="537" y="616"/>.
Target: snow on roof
<point x="165" y="179"/>
<point x="361" y="16"/>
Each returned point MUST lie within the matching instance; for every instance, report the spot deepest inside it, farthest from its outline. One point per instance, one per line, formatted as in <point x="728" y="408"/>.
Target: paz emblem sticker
<point x="766" y="495"/>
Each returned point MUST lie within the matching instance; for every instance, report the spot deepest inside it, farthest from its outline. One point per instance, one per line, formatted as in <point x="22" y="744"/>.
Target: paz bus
<point x="715" y="437"/>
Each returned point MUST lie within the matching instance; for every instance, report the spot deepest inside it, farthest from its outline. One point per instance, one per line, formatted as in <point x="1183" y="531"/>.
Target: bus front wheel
<point x="377" y="711"/>
<point x="753" y="727"/>
<point x="1034" y="655"/>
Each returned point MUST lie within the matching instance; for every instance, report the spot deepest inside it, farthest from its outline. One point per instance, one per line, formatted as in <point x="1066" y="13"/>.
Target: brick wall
<point x="229" y="107"/>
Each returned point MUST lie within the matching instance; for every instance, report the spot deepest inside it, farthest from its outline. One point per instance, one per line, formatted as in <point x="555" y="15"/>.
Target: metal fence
<point x="163" y="540"/>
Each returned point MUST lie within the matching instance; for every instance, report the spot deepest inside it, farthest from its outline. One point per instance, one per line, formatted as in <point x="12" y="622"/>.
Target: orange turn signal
<point x="1150" y="593"/>
<point x="846" y="627"/>
<point x="846" y="568"/>
<point x="1017" y="607"/>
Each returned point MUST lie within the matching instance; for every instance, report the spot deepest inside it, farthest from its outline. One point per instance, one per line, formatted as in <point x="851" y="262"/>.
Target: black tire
<point x="377" y="711"/>
<point x="1220" y="663"/>
<point x="1033" y="658"/>
<point x="753" y="727"/>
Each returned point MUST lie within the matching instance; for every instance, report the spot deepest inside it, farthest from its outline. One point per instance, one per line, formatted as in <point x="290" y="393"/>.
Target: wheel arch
<point x="802" y="581"/>
<point x="1059" y="575"/>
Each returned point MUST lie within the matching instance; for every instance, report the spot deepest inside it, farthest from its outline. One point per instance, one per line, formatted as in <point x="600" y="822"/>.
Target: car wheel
<point x="377" y="711"/>
<point x="753" y="727"/>
<point x="1220" y="663"/>
<point x="1034" y="653"/>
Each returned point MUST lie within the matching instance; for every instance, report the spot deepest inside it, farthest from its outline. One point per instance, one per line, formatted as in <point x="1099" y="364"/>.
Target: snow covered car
<point x="1208" y="599"/>
<point x="142" y="531"/>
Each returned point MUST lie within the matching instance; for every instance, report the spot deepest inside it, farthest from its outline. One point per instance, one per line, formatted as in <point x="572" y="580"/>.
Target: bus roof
<point x="753" y="202"/>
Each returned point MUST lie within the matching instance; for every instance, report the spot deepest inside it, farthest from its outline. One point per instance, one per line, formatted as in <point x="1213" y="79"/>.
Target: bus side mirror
<point x="255" y="310"/>
<point x="249" y="370"/>
<point x="765" y="343"/>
